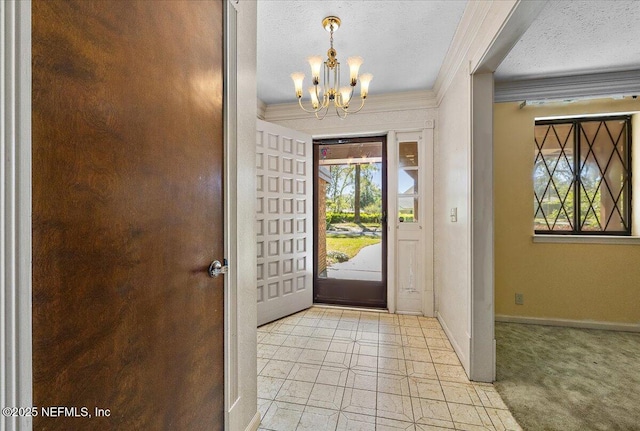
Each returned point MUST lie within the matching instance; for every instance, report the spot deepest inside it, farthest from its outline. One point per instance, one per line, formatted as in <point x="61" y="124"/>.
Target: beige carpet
<point x="566" y="379"/>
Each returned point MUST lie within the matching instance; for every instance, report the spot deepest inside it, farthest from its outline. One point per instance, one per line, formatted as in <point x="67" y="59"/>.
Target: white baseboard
<point x="346" y="307"/>
<point x="254" y="424"/>
<point x="454" y="343"/>
<point x="409" y="313"/>
<point x="584" y="324"/>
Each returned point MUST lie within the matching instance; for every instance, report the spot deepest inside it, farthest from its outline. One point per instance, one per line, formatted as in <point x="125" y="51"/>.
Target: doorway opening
<point x="350" y="234"/>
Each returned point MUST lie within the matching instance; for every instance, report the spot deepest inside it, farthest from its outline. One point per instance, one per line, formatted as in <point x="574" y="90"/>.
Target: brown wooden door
<point x="127" y="214"/>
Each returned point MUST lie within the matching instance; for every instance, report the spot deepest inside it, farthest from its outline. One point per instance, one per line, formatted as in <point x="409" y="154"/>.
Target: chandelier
<point x="331" y="93"/>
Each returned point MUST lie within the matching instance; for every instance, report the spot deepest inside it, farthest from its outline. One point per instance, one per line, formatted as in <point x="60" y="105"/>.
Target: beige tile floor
<point x="336" y="369"/>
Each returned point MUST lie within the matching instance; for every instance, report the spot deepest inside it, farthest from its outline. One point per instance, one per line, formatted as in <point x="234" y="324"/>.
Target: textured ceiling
<point x="387" y="34"/>
<point x="577" y="37"/>
<point x="403" y="42"/>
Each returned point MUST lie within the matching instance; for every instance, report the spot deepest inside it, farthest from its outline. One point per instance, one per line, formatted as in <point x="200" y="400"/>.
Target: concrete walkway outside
<point x="366" y="265"/>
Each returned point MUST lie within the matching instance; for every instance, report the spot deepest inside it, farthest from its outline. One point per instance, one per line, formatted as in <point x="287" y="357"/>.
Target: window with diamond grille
<point x="582" y="176"/>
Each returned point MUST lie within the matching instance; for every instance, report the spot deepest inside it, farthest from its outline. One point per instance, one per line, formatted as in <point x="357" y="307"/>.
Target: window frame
<point x="627" y="213"/>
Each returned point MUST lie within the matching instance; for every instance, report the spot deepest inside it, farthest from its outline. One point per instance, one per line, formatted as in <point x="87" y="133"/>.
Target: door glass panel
<point x="350" y="201"/>
<point x="408" y="209"/>
<point x="408" y="174"/>
<point x="408" y="154"/>
<point x="408" y="181"/>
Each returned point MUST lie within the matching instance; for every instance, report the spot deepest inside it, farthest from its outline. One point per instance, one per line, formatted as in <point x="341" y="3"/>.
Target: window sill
<point x="586" y="239"/>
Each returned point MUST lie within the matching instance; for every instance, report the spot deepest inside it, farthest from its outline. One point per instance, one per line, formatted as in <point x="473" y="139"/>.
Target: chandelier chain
<point x="331" y="37"/>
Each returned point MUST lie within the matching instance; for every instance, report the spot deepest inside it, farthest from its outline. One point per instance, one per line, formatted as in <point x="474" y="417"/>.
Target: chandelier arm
<point x="326" y="109"/>
<point x="357" y="110"/>
<point x="305" y="109"/>
<point x="344" y="106"/>
<point x="353" y="87"/>
<point x="317" y="95"/>
<point x="342" y="117"/>
<point x="324" y="102"/>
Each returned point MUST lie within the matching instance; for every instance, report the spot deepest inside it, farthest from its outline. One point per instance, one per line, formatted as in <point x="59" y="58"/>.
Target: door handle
<point x="216" y="268"/>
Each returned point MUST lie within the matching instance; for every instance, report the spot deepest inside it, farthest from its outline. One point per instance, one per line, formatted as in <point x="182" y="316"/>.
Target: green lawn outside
<point x="350" y="245"/>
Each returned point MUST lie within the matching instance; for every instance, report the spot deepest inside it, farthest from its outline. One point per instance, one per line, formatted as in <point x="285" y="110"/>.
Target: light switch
<point x="453" y="215"/>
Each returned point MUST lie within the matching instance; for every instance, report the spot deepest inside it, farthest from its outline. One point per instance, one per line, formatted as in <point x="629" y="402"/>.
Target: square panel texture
<point x="287" y="145"/>
<point x="274" y="227"/>
<point x="287" y="185"/>
<point x="273" y="290"/>
<point x="272" y="142"/>
<point x="283" y="179"/>
<point x="273" y="163"/>
<point x="287" y="286"/>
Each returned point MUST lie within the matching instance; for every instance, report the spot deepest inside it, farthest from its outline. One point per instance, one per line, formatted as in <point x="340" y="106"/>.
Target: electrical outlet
<point x="519" y="299"/>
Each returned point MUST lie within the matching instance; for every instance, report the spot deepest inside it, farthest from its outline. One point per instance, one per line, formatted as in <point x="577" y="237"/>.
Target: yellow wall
<point x="559" y="281"/>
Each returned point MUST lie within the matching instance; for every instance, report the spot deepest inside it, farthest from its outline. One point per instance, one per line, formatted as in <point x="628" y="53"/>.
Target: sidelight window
<point x="408" y="170"/>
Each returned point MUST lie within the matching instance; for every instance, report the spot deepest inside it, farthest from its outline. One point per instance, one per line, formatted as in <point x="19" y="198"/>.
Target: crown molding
<point x="486" y="33"/>
<point x="262" y="109"/>
<point x="569" y="87"/>
<point x="390" y="102"/>
<point x="472" y="18"/>
<point x="363" y="124"/>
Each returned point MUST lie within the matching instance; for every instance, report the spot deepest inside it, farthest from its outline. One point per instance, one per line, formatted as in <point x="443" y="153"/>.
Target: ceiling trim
<point x="262" y="109"/>
<point x="390" y="102"/>
<point x="570" y="87"/>
<point x="485" y="35"/>
<point x="474" y="15"/>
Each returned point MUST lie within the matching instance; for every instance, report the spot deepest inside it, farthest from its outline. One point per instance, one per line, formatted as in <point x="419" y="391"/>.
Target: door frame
<point x="358" y="284"/>
<point x="16" y="213"/>
<point x="15" y="201"/>
<point x="230" y="202"/>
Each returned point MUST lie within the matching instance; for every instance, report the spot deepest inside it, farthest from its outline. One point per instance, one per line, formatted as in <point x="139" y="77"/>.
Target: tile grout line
<point x="379" y="344"/>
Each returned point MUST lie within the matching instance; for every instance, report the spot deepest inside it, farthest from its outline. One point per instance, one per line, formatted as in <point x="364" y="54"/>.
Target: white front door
<point x="284" y="212"/>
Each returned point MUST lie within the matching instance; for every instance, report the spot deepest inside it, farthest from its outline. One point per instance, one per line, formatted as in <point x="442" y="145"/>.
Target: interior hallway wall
<point x="380" y="116"/>
<point x="452" y="239"/>
<point x="599" y="282"/>
<point x="463" y="257"/>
